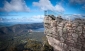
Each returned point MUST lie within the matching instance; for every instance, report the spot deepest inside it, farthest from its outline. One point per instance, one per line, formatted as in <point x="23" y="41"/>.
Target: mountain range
<point x="20" y="28"/>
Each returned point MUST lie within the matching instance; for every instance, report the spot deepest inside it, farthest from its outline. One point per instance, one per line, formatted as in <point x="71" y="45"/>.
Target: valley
<point x="23" y="37"/>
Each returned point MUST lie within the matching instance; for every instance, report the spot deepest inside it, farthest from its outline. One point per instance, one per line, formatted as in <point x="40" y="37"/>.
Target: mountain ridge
<point x="20" y="28"/>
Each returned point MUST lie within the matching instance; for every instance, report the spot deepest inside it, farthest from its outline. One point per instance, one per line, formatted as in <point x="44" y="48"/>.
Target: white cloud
<point x="38" y="17"/>
<point x="73" y="16"/>
<point x="59" y="8"/>
<point x="35" y="18"/>
<point x="47" y="5"/>
<point x="15" y="5"/>
<point x="78" y="15"/>
<point x="44" y="5"/>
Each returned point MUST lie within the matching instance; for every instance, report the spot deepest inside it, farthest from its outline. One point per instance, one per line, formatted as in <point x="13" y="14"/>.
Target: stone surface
<point x="64" y="35"/>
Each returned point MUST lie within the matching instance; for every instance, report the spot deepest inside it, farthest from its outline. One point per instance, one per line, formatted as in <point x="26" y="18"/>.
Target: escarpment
<point x="65" y="35"/>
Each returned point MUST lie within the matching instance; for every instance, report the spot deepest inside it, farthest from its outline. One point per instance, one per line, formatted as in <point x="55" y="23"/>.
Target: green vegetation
<point x="36" y="41"/>
<point x="33" y="45"/>
<point x="38" y="46"/>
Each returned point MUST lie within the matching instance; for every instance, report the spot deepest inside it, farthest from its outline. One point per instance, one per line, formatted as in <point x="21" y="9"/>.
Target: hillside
<point x="17" y="38"/>
<point x="20" y="28"/>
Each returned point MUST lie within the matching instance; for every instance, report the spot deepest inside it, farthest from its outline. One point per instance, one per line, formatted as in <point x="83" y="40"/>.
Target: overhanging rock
<point x="64" y="35"/>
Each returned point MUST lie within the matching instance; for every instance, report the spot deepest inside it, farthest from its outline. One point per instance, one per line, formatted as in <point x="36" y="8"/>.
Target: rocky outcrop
<point x="65" y="35"/>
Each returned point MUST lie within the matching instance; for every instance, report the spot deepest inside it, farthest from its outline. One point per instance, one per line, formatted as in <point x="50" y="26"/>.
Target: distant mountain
<point x="20" y="28"/>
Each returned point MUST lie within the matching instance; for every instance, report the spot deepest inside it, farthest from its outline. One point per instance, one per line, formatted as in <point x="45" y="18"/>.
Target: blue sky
<point x="33" y="10"/>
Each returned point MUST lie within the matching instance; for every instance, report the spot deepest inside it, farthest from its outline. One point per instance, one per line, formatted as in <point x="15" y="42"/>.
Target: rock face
<point x="64" y="35"/>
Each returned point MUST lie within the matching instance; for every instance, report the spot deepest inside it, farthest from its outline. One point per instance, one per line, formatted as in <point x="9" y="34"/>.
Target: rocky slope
<point x="65" y="35"/>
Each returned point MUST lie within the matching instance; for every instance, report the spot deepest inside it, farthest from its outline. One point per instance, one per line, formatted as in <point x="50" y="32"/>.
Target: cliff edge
<point x="65" y="35"/>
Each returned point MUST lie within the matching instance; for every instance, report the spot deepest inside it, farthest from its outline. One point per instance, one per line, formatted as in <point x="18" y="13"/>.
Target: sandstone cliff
<point x="64" y="35"/>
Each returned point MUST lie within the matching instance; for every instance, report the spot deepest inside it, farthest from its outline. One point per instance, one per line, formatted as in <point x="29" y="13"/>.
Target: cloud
<point x="73" y="16"/>
<point x="77" y="16"/>
<point x="38" y="17"/>
<point x="47" y="5"/>
<point x="77" y="1"/>
<point x="8" y="14"/>
<point x="35" y="18"/>
<point x="15" y="5"/>
<point x="59" y="8"/>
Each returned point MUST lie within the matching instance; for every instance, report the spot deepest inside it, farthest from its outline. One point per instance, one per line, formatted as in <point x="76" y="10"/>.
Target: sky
<point x="33" y="10"/>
